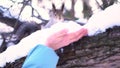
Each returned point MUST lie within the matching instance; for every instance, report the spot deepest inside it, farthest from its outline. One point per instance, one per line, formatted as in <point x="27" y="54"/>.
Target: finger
<point x="83" y="33"/>
<point x="76" y="34"/>
<point x="61" y="33"/>
<point x="57" y="37"/>
<point x="79" y="34"/>
<point x="72" y="37"/>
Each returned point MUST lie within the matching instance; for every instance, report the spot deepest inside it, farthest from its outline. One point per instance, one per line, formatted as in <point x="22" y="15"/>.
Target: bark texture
<point x="100" y="51"/>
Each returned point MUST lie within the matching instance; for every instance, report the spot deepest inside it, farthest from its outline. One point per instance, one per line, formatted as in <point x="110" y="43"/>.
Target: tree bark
<point x="100" y="51"/>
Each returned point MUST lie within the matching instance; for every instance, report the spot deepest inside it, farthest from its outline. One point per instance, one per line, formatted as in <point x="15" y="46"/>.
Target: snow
<point x="17" y="1"/>
<point x="98" y="23"/>
<point x="58" y="3"/>
<point x="6" y="3"/>
<point x="5" y="28"/>
<point x="47" y="4"/>
<point x="44" y="12"/>
<point x="2" y="60"/>
<point x="1" y="40"/>
<point x="81" y="21"/>
<point x="66" y="25"/>
<point x="68" y="4"/>
<point x="26" y="13"/>
<point x="15" y="10"/>
<point x="94" y="6"/>
<point x="38" y="37"/>
<point x="78" y="8"/>
<point x="108" y="18"/>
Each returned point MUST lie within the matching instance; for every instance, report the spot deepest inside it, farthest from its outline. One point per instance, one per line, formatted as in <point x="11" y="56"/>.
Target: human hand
<point x="63" y="38"/>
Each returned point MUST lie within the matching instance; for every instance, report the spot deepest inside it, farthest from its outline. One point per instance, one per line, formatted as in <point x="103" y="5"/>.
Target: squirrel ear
<point x="62" y="7"/>
<point x="53" y="7"/>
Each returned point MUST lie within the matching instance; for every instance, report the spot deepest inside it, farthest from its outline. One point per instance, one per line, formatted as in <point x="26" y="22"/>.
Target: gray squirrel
<point x="56" y="15"/>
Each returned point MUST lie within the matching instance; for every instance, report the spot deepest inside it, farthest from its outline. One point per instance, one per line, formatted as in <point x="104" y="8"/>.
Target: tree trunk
<point x="100" y="51"/>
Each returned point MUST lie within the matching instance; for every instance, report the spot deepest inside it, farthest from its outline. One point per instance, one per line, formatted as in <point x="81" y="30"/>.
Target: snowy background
<point x="38" y="12"/>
